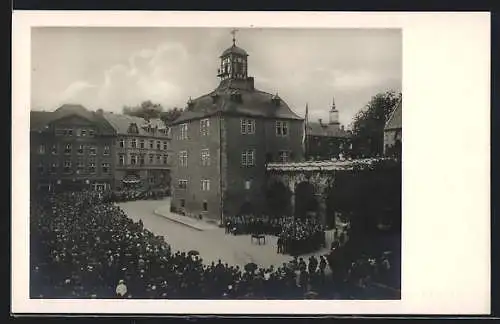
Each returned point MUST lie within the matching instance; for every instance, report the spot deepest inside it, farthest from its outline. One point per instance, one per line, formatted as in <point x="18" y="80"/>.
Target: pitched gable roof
<point x="316" y="129"/>
<point x="121" y="123"/>
<point x="39" y="119"/>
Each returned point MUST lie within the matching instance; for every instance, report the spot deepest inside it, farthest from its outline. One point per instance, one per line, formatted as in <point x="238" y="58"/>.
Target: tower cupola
<point x="233" y="62"/>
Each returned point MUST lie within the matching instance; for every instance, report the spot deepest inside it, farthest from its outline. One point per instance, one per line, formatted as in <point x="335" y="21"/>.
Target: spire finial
<point x="333" y="103"/>
<point x="233" y="32"/>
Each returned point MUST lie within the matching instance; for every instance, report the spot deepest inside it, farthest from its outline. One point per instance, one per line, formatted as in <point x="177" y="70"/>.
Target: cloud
<point x="149" y="74"/>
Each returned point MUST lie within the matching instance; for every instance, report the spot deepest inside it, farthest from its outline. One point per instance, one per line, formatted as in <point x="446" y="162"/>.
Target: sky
<point x="111" y="67"/>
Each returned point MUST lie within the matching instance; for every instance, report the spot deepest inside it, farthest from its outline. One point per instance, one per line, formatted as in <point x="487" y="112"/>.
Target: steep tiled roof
<point x="253" y="103"/>
<point x="395" y="121"/>
<point x="236" y="50"/>
<point x="316" y="129"/>
<point x="40" y="119"/>
<point x="121" y="123"/>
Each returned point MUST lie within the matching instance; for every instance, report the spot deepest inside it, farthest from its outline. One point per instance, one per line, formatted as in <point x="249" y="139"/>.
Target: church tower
<point x="334" y="115"/>
<point x="233" y="63"/>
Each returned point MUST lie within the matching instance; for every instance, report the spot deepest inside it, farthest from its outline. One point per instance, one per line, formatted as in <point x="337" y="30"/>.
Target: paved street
<point x="212" y="244"/>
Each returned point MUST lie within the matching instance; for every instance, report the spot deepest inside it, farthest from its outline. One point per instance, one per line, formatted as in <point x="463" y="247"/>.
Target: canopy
<point x="131" y="178"/>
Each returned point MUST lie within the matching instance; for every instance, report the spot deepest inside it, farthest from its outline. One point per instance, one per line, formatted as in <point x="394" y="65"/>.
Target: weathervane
<point x="233" y="32"/>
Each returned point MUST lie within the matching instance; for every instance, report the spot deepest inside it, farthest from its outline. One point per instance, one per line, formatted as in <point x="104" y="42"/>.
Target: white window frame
<point x="41" y="149"/>
<point x="122" y="142"/>
<point x="151" y="158"/>
<point x="106" y="165"/>
<point x="182" y="184"/>
<point x="248" y="184"/>
<point x="91" y="166"/>
<point x="133" y="159"/>
<point x="55" y="149"/>
<point x="122" y="159"/>
<point x="133" y="143"/>
<point x="247" y="126"/>
<point x="205" y="185"/>
<point x="282" y="128"/>
<point x="82" y="147"/>
<point x="205" y="127"/>
<point x="67" y="166"/>
<point x="284" y="156"/>
<point x="68" y="147"/>
<point x="248" y="158"/>
<point x="142" y="144"/>
<point x="92" y="150"/>
<point x="106" y="150"/>
<point x="205" y="157"/>
<point x="183" y="131"/>
<point x="165" y="159"/>
<point x="183" y="158"/>
<point x="165" y="145"/>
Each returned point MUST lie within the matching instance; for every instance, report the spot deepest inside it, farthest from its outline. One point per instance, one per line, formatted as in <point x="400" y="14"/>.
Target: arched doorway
<point x="278" y="199"/>
<point x="305" y="200"/>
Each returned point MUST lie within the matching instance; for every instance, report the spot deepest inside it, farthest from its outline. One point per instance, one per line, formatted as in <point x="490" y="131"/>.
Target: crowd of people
<point x="295" y="235"/>
<point x="136" y="194"/>
<point x="84" y="246"/>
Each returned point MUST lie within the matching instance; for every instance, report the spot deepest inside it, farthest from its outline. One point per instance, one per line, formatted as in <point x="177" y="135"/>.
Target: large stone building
<point x="142" y="148"/>
<point x="393" y="132"/>
<point x="224" y="139"/>
<point x="71" y="148"/>
<point x="325" y="141"/>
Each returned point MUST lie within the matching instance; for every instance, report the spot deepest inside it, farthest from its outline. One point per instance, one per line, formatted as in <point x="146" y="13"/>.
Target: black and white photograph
<point x="216" y="163"/>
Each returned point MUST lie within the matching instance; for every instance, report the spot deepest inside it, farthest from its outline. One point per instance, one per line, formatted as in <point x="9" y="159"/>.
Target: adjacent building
<point x="224" y="139"/>
<point x="141" y="152"/>
<point x="71" y="148"/>
<point x="325" y="141"/>
<point x="393" y="132"/>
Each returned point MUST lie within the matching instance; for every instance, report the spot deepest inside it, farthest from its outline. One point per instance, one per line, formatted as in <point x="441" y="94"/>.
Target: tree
<point x="170" y="115"/>
<point x="368" y="125"/>
<point x="147" y="110"/>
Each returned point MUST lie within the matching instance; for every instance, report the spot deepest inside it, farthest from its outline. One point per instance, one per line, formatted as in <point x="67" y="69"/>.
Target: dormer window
<point x="236" y="96"/>
<point x="133" y="129"/>
<point x="215" y="97"/>
<point x="190" y="103"/>
<point x="276" y="100"/>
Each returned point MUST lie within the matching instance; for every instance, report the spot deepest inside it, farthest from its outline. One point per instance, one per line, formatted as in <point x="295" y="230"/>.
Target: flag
<point x="304" y="136"/>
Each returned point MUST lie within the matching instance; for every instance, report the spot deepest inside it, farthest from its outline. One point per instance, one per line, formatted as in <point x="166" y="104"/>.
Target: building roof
<point x="253" y="103"/>
<point x="317" y="129"/>
<point x="121" y="123"/>
<point x="395" y="120"/>
<point x="41" y="119"/>
<point x="235" y="50"/>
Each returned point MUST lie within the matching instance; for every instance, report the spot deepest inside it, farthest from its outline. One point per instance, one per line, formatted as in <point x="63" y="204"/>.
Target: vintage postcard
<point x="219" y="163"/>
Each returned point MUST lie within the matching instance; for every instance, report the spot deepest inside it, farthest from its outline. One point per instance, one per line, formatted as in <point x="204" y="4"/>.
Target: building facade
<point x="141" y="152"/>
<point x="224" y="140"/>
<point x="71" y="148"/>
<point x="393" y="132"/>
<point x="325" y="141"/>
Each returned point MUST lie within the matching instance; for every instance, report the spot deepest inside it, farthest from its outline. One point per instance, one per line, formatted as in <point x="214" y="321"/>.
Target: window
<point x="133" y="143"/>
<point x="53" y="168"/>
<point x="55" y="149"/>
<point x="205" y="185"/>
<point x="182" y="184"/>
<point x="205" y="157"/>
<point x="40" y="167"/>
<point x="133" y="159"/>
<point x="247" y="126"/>
<point x="91" y="166"/>
<point x="105" y="167"/>
<point x="165" y="146"/>
<point x="70" y="132"/>
<point x="281" y="128"/>
<point x="122" y="143"/>
<point x="67" y="166"/>
<point x="67" y="149"/>
<point x="141" y="143"/>
<point x="91" y="132"/>
<point x="141" y="159"/>
<point x="248" y="158"/>
<point x="183" y="131"/>
<point x="204" y="127"/>
<point x="158" y="158"/>
<point x="105" y="151"/>
<point x="165" y="159"/>
<point x="158" y="145"/>
<point x="151" y="144"/>
<point x="41" y="149"/>
<point x="121" y="160"/>
<point x="183" y="158"/>
<point x="284" y="156"/>
<point x="183" y="203"/>
<point x="205" y="206"/>
<point x="80" y="149"/>
<point x="92" y="150"/>
<point x="79" y="166"/>
<point x="83" y="132"/>
<point x="151" y="158"/>
<point x="248" y="184"/>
